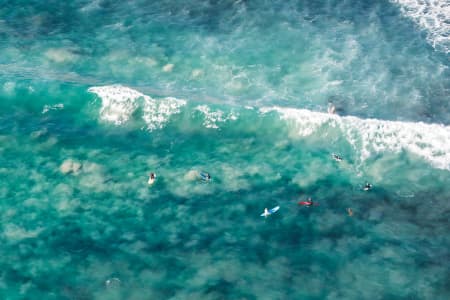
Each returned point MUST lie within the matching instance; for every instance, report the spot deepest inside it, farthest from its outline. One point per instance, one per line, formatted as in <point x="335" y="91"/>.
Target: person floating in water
<point x="367" y="187"/>
<point x="152" y="178"/>
<point x="336" y="157"/>
<point x="350" y="212"/>
<point x="205" y="176"/>
<point x="331" y="108"/>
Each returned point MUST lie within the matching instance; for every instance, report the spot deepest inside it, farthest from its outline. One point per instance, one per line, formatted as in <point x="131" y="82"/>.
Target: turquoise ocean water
<point x="95" y="95"/>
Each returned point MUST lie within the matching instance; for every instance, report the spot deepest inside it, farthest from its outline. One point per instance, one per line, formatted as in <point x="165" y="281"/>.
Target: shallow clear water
<point x="95" y="95"/>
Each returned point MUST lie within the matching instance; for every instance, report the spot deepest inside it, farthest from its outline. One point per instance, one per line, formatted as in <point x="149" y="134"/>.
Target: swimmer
<point x="205" y="176"/>
<point x="113" y="282"/>
<point x="152" y="178"/>
<point x="336" y="157"/>
<point x="367" y="187"/>
<point x="350" y="212"/>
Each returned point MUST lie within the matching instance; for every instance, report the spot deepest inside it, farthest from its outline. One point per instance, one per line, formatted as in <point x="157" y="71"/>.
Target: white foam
<point x="372" y="136"/>
<point x="119" y="103"/>
<point x="52" y="107"/>
<point x="214" y="117"/>
<point x="431" y="15"/>
<point x="157" y="113"/>
<point x="60" y="55"/>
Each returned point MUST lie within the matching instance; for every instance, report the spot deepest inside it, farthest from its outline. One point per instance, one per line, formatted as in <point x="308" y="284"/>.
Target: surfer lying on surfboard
<point x="204" y="176"/>
<point x="350" y="212"/>
<point x="268" y="212"/>
<point x="336" y="157"/>
<point x="367" y="187"/>
<point x="307" y="203"/>
<point x="151" y="178"/>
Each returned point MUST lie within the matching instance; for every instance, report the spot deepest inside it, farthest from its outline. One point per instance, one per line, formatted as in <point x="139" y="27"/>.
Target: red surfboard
<point x="307" y="203"/>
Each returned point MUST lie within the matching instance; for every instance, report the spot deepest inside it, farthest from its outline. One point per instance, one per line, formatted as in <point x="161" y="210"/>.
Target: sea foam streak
<point x="371" y="136"/>
<point x="120" y="102"/>
<point x="433" y="16"/>
<point x="214" y="117"/>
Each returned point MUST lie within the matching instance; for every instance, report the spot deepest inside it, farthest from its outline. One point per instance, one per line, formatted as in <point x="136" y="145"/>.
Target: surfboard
<point x="307" y="203"/>
<point x="367" y="188"/>
<point x="151" y="180"/>
<point x="271" y="211"/>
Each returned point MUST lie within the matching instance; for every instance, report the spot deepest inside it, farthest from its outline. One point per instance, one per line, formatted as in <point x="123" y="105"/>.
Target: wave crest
<point x="211" y="118"/>
<point x="372" y="136"/>
<point x="120" y="102"/>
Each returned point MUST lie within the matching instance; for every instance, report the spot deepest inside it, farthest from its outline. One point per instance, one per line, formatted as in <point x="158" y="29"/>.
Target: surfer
<point x="336" y="157"/>
<point x="331" y="108"/>
<point x="152" y="178"/>
<point x="367" y="187"/>
<point x="268" y="212"/>
<point x="350" y="212"/>
<point x="308" y="203"/>
<point x="205" y="176"/>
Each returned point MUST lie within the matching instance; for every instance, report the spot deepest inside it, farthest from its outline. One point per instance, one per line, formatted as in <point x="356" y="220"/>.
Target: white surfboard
<point x="151" y="180"/>
<point x="270" y="211"/>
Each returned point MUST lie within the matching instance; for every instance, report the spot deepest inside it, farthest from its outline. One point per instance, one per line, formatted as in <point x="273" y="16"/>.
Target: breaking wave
<point x="372" y="136"/>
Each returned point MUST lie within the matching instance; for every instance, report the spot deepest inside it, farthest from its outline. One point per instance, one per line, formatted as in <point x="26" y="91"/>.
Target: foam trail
<point x="431" y="15"/>
<point x="372" y="136"/>
<point x="157" y="113"/>
<point x="52" y="107"/>
<point x="214" y="117"/>
<point x="120" y="102"/>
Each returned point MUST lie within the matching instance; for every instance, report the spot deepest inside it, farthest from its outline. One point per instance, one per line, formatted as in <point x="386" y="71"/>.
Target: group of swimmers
<point x="310" y="202"/>
<point x="204" y="176"/>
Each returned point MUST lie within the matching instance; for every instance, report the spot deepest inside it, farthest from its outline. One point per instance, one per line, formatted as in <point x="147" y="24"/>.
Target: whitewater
<point x="96" y="95"/>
